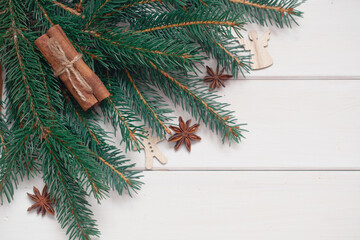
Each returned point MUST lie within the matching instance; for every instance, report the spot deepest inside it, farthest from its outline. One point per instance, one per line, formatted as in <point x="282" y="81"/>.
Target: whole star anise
<point x="217" y="79"/>
<point x="43" y="202"/>
<point x="184" y="134"/>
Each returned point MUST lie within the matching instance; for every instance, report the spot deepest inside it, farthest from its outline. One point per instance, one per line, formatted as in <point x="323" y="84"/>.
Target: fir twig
<point x="148" y="107"/>
<point x="69" y="9"/>
<point x="217" y="122"/>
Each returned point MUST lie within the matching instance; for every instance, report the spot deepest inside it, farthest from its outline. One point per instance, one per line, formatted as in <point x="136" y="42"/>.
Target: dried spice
<point x="216" y="79"/>
<point x="43" y="202"/>
<point x="184" y="133"/>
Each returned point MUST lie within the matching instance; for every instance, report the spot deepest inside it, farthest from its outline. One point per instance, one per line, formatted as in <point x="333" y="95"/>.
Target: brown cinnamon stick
<point x="100" y="91"/>
<point x="43" y="44"/>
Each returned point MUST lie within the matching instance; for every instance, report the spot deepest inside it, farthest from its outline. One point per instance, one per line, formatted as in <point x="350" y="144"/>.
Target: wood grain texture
<point x="212" y="206"/>
<point x="151" y="150"/>
<point x="260" y="57"/>
<point x="312" y="124"/>
<point x="325" y="44"/>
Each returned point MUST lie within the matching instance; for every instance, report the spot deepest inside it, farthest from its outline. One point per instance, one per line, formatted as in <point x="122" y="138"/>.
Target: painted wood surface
<point x="326" y="44"/>
<point x="295" y="124"/>
<point x="214" y="205"/>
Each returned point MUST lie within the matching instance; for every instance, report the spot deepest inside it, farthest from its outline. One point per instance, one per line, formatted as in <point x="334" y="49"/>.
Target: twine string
<point x="68" y="68"/>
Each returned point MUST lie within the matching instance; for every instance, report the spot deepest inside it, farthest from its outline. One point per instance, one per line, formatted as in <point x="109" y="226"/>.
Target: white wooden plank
<point x="325" y="44"/>
<point x="214" y="205"/>
<point x="296" y="124"/>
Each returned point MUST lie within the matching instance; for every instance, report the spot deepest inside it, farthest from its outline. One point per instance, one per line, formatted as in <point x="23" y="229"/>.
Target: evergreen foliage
<point x="137" y="48"/>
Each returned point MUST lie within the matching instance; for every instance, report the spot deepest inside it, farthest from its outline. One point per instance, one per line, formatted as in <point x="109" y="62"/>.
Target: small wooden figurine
<point x="260" y="57"/>
<point x="151" y="150"/>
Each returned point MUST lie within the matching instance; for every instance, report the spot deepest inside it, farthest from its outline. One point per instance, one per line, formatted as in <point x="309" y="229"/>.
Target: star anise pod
<point x="216" y="79"/>
<point x="43" y="202"/>
<point x="184" y="134"/>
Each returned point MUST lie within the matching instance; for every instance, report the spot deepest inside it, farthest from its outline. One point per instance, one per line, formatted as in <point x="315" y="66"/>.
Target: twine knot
<point x="68" y="67"/>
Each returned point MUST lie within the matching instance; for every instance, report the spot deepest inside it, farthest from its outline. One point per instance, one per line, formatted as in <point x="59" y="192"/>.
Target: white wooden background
<point x="296" y="176"/>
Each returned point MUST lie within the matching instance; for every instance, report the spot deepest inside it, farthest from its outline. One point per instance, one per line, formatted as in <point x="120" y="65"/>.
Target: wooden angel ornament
<point x="260" y="57"/>
<point x="151" y="149"/>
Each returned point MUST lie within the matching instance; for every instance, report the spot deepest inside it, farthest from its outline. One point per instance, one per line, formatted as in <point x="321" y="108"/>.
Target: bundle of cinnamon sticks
<point x="68" y="65"/>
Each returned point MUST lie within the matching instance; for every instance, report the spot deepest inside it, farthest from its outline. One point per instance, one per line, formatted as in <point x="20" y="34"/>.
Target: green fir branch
<point x="112" y="161"/>
<point x="197" y="100"/>
<point x="116" y="110"/>
<point x="146" y="102"/>
<point x="212" y="30"/>
<point x="72" y="209"/>
<point x="277" y="12"/>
